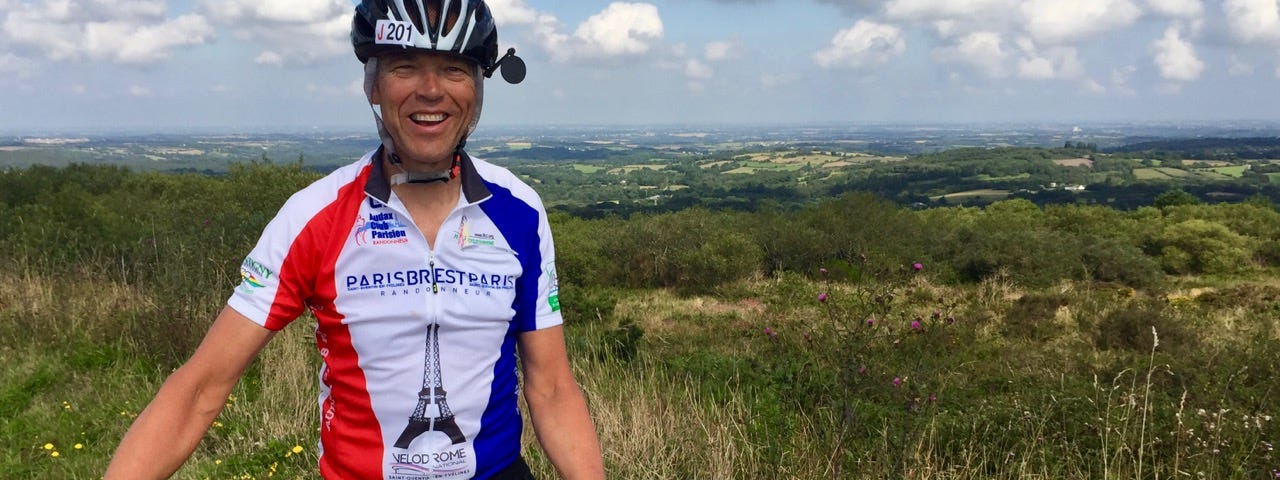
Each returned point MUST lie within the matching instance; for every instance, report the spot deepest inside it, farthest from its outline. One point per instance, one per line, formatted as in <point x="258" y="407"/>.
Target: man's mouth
<point x="428" y="119"/>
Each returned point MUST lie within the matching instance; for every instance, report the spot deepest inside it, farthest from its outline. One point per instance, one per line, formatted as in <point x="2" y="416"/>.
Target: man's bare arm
<point x="557" y="406"/>
<point x="168" y="430"/>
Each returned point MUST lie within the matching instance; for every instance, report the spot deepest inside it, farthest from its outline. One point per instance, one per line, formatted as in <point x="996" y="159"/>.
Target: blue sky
<point x="285" y="65"/>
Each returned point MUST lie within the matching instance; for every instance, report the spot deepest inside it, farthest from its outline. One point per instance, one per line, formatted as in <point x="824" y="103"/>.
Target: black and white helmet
<point x="459" y="27"/>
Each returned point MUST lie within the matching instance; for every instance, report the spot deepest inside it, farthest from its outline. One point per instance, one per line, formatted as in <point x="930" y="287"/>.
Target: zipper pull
<point x="435" y="287"/>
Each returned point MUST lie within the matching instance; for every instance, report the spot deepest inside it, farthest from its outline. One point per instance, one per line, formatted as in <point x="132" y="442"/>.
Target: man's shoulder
<point x="322" y="192"/>
<point x="502" y="177"/>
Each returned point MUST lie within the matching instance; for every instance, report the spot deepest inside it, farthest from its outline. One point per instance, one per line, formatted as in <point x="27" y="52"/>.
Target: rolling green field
<point x="851" y="338"/>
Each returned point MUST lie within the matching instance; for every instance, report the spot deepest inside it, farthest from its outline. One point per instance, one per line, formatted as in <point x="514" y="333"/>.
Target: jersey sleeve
<point x="274" y="280"/>
<point x="548" y="305"/>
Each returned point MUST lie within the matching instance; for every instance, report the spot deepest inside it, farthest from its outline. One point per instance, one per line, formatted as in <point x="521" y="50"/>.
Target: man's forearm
<point x="167" y="431"/>
<point x="564" y="428"/>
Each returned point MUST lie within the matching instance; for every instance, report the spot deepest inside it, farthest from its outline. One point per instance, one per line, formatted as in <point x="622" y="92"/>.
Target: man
<point x="426" y="269"/>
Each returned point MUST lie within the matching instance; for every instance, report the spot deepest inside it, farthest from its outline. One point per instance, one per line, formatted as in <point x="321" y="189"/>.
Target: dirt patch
<point x="1075" y="162"/>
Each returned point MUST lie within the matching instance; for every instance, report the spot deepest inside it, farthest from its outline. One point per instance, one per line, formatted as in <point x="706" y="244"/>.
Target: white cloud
<point x="1049" y="63"/>
<point x="133" y="44"/>
<point x="865" y="44"/>
<point x="1092" y="87"/>
<point x="696" y="70"/>
<point x="771" y="80"/>
<point x="1237" y="67"/>
<point x="1064" y="21"/>
<point x="277" y="11"/>
<point x="919" y="10"/>
<point x="1120" y="80"/>
<point x="511" y="12"/>
<point x="139" y="91"/>
<point x="131" y="32"/>
<point x="1187" y="9"/>
<point x="295" y="31"/>
<point x="1176" y="57"/>
<point x="980" y="50"/>
<point x="269" y="58"/>
<point x="722" y="50"/>
<point x="1253" y="20"/>
<point x="11" y="65"/>
<point x="621" y="29"/>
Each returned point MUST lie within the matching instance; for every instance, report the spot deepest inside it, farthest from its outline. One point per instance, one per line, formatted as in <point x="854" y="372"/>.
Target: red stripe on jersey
<point x="349" y="430"/>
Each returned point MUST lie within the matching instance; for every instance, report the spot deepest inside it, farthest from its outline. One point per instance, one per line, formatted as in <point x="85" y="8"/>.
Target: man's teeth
<point x="427" y="117"/>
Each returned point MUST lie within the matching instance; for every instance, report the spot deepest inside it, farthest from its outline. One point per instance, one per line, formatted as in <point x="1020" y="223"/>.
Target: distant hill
<point x="1253" y="148"/>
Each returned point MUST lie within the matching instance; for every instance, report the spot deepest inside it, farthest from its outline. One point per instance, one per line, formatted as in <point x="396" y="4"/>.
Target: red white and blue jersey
<point x="419" y="377"/>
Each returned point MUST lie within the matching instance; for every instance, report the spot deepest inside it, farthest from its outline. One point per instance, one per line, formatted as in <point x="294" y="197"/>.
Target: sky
<point x="287" y="65"/>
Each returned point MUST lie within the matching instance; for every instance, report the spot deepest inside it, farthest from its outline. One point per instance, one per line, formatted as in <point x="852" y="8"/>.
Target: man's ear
<point x="375" y="98"/>
<point x="371" y="81"/>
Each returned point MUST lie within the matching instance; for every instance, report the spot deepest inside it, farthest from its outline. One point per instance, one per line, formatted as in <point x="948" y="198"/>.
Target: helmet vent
<point x="416" y="16"/>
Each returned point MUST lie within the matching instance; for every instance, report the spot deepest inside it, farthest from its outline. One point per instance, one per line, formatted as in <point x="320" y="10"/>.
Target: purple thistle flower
<point x="951" y="319"/>
<point x="822" y="297"/>
<point x="915" y="324"/>
<point x="897" y="381"/>
<point x="822" y="270"/>
<point x="932" y="398"/>
<point x="918" y="266"/>
<point x="862" y="369"/>
<point x="769" y="331"/>
<point x="937" y="314"/>
<point x="871" y="321"/>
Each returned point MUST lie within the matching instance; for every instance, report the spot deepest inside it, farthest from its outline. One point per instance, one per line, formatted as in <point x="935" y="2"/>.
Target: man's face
<point x="427" y="101"/>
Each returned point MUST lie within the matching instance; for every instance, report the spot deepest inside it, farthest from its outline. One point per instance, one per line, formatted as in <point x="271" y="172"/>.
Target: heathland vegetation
<point x="841" y="335"/>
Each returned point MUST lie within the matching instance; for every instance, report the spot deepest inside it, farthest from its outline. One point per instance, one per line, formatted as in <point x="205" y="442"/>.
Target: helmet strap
<point x="425" y="177"/>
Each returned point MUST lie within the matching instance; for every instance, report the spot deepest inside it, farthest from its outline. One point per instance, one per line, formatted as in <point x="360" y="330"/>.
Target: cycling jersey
<point x="419" y="374"/>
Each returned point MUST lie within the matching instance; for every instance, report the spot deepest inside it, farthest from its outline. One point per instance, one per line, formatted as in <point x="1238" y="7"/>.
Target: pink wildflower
<point x="822" y="297"/>
<point x="897" y="381"/>
<point x="915" y="324"/>
<point x="917" y="266"/>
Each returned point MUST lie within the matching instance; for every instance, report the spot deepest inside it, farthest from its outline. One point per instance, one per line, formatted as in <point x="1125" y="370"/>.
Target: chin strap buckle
<point x="427" y="177"/>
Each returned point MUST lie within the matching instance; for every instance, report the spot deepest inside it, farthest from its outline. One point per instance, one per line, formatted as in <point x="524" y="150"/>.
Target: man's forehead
<point x="417" y="54"/>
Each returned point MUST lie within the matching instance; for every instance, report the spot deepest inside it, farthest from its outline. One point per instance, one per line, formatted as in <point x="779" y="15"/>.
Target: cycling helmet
<point x="459" y="27"/>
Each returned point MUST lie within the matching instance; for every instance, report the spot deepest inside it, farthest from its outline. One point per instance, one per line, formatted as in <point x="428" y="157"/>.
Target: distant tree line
<point x="111" y="219"/>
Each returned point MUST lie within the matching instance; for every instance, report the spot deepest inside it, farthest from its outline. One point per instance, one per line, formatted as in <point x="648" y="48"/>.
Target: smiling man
<point x="429" y="273"/>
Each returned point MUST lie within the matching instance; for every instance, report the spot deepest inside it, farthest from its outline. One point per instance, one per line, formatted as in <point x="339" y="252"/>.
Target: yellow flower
<point x="54" y="454"/>
<point x="79" y="446"/>
<point x="297" y="449"/>
<point x="48" y="446"/>
<point x="217" y="462"/>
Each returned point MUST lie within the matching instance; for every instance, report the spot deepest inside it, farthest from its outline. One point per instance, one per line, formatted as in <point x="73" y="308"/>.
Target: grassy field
<point x="797" y="344"/>
<point x="717" y="387"/>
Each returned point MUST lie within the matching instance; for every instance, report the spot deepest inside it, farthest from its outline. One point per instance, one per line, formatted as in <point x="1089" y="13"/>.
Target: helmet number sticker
<point x="393" y="32"/>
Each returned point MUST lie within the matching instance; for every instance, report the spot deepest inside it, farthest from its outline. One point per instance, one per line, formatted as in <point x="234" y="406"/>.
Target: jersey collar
<point x="379" y="187"/>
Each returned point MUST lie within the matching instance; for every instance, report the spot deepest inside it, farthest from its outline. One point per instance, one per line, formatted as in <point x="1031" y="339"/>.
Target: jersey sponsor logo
<point x="253" y="275"/>
<point x="394" y="32"/>
<point x="466" y="237"/>
<point x="553" y="297"/>
<point x="380" y="229"/>
<point x="449" y="463"/>
<point x="439" y="277"/>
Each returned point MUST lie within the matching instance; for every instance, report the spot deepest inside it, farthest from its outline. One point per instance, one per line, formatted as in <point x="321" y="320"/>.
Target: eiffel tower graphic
<point x="432" y="413"/>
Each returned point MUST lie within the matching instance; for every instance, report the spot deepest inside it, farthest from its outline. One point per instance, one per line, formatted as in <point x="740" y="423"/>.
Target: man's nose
<point x="430" y="85"/>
